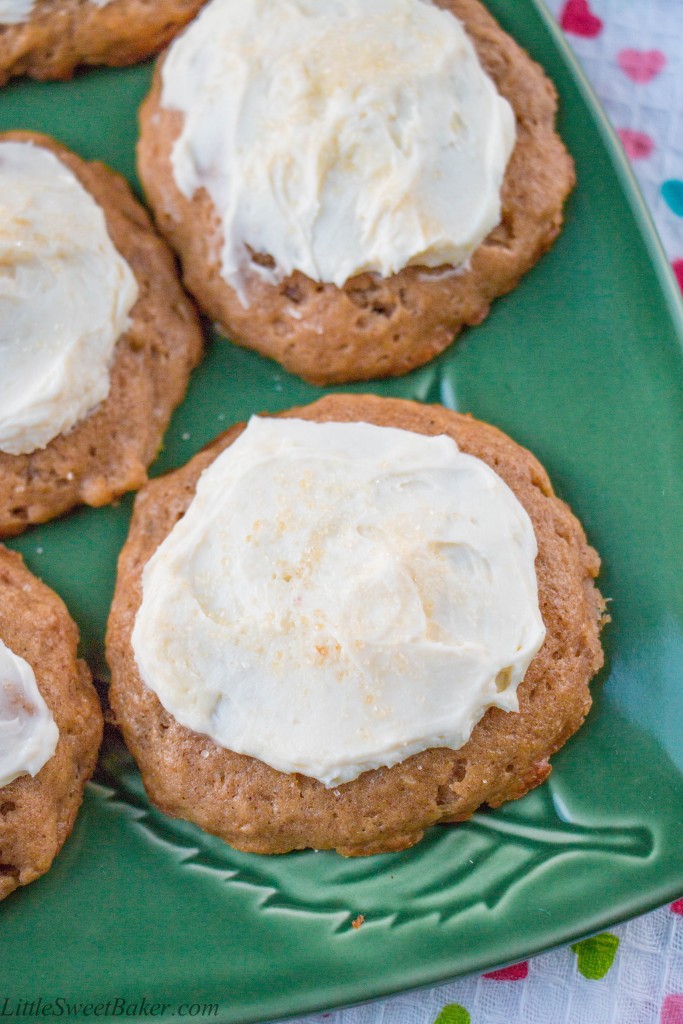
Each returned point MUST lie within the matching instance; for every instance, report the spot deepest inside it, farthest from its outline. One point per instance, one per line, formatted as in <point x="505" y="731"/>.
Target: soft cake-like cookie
<point x="349" y="607"/>
<point x="51" y="724"/>
<point x="350" y="153"/>
<point x="51" y="38"/>
<point x="98" y="337"/>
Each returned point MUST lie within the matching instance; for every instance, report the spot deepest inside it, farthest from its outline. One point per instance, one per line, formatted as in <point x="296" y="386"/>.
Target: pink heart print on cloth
<point x="672" y="1007"/>
<point x="641" y="65"/>
<point x="632" y="51"/>
<point x="578" y="18"/>
<point x="638" y="145"/>
<point x="672" y="1010"/>
<point x="516" y="972"/>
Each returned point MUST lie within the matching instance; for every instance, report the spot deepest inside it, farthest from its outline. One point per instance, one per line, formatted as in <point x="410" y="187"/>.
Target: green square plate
<point x="582" y="363"/>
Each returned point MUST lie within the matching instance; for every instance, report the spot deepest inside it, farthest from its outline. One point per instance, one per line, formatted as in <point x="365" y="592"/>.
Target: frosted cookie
<point x="337" y="628"/>
<point x="348" y="185"/>
<point x="50" y="725"/>
<point x="97" y="338"/>
<point x="51" y="38"/>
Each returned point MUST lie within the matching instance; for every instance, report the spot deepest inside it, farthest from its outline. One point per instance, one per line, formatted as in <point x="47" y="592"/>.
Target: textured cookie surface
<point x="374" y="326"/>
<point x="107" y="453"/>
<point x="258" y="809"/>
<point x="37" y="814"/>
<point x="60" y="35"/>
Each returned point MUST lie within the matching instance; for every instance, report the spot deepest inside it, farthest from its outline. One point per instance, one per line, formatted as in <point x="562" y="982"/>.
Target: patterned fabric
<point x="632" y="51"/>
<point x="631" y="975"/>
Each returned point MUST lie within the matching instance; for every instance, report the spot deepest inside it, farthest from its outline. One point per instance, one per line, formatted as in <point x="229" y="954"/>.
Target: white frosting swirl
<point x="338" y="136"/>
<point x="338" y="597"/>
<point x="14" y="12"/>
<point x="28" y="733"/>
<point x="65" y="296"/>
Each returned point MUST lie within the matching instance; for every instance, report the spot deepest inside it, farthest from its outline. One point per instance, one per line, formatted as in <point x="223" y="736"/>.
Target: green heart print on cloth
<point x="454" y="1013"/>
<point x="594" y="957"/>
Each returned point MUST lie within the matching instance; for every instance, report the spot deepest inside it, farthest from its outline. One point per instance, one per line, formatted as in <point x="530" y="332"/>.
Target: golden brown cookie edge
<point x="373" y="326"/>
<point x="231" y="795"/>
<point x="37" y="813"/>
<point x="108" y="452"/>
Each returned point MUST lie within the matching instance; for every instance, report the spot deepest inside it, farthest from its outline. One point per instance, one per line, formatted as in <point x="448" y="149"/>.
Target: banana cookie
<point x="50" y="722"/>
<point x="337" y="627"/>
<point x="97" y="337"/>
<point x="51" y="38"/>
<point x="349" y="185"/>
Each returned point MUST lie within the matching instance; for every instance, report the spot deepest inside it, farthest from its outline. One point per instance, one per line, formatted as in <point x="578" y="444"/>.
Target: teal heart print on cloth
<point x="672" y="190"/>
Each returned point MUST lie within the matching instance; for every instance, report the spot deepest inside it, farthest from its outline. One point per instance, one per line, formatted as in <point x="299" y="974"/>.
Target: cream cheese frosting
<point x="28" y="733"/>
<point x="14" y="12"/>
<point x="340" y="596"/>
<point x="338" y="136"/>
<point x="65" y="296"/>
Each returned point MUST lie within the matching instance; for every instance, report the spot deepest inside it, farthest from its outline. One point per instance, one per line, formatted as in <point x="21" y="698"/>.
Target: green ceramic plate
<point x="582" y="363"/>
